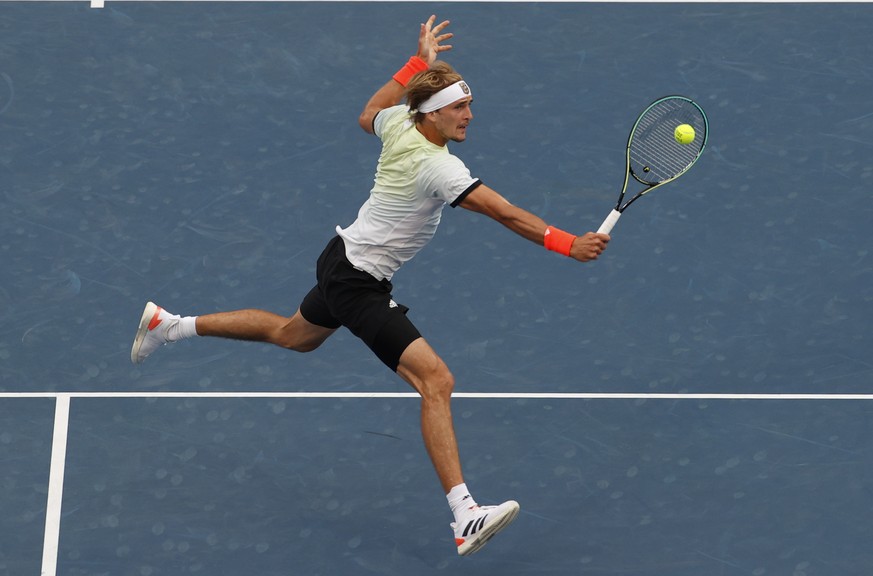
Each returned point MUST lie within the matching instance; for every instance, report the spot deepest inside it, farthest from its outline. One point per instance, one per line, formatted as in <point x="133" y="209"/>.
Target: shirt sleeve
<point x="446" y="178"/>
<point x="388" y="117"/>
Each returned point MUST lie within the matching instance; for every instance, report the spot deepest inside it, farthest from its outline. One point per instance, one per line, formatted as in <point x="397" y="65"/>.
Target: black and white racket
<point x="666" y="140"/>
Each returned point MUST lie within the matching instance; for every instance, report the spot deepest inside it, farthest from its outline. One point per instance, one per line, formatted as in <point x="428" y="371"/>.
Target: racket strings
<point x="654" y="153"/>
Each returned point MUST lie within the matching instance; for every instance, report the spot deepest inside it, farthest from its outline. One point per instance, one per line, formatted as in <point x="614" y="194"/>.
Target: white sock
<point x="460" y="500"/>
<point x="188" y="327"/>
<point x="185" y="328"/>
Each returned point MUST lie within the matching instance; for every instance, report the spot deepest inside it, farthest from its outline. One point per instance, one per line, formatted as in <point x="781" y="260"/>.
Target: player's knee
<point x="295" y="342"/>
<point x="439" y="386"/>
<point x="303" y="347"/>
<point x="299" y="336"/>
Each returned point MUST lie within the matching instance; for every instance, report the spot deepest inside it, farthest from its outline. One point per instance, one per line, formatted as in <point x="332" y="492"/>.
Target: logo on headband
<point x="449" y="94"/>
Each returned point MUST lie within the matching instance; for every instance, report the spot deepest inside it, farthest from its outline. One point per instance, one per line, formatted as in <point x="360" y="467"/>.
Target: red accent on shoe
<point x="459" y="541"/>
<point x="155" y="321"/>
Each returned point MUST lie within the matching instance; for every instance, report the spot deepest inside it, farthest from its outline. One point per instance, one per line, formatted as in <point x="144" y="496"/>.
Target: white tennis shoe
<point x="152" y="331"/>
<point x="475" y="529"/>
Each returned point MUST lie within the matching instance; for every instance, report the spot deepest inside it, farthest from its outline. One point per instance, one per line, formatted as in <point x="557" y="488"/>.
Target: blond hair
<point x="427" y="83"/>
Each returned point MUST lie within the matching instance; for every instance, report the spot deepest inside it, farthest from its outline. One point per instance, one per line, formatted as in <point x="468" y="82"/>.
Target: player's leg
<point x="295" y="333"/>
<point x="158" y="327"/>
<point x="474" y="525"/>
<point x="426" y="372"/>
<point x="306" y="330"/>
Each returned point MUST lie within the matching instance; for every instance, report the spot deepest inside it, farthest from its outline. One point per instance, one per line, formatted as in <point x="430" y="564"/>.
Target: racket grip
<point x="610" y="221"/>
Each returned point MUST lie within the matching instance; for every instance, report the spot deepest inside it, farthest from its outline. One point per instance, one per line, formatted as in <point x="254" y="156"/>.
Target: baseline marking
<point x="62" y="421"/>
<point x="493" y="395"/>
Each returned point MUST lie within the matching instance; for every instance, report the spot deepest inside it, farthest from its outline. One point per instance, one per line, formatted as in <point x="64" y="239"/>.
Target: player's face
<point x="451" y="121"/>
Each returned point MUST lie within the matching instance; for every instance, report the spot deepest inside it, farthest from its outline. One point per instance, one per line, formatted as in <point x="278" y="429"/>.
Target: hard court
<point x="200" y="154"/>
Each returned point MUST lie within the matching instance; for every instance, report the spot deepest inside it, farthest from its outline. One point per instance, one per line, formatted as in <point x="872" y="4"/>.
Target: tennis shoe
<point x="477" y="527"/>
<point x="153" y="331"/>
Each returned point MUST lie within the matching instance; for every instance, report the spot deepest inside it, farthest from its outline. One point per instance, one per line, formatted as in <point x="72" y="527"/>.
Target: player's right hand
<point x="589" y="246"/>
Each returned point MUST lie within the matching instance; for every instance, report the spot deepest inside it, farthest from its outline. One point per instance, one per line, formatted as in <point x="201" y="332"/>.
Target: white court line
<point x="56" y="487"/>
<point x="100" y="3"/>
<point x="492" y="395"/>
<point x="62" y="420"/>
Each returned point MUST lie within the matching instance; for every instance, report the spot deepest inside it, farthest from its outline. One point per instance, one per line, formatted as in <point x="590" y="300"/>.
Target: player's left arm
<point x="489" y="202"/>
<point x="430" y="40"/>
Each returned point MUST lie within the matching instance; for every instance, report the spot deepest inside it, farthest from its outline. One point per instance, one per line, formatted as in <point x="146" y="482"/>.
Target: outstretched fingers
<point x="439" y="37"/>
<point x="430" y="39"/>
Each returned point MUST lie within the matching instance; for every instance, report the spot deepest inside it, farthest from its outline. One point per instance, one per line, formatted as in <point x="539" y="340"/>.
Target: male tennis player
<point x="416" y="178"/>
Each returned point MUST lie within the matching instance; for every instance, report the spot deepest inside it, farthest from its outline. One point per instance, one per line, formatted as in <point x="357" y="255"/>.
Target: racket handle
<point x="610" y="221"/>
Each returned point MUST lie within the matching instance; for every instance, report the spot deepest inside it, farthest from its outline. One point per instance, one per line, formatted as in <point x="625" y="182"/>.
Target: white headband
<point x="446" y="96"/>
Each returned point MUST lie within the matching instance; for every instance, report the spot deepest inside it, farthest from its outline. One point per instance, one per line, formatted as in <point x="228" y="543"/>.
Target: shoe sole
<point x="489" y="531"/>
<point x="150" y="309"/>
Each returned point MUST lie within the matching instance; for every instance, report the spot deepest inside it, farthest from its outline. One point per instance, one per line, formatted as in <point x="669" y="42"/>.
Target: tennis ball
<point x="684" y="134"/>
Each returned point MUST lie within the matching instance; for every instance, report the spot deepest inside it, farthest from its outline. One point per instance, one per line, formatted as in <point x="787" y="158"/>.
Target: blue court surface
<point x="200" y="155"/>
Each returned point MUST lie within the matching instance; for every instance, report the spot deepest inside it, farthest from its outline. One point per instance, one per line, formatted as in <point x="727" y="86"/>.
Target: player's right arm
<point x="489" y="202"/>
<point x="391" y="94"/>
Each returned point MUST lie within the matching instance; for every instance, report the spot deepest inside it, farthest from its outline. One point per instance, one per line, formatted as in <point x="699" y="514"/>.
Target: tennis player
<point x="416" y="177"/>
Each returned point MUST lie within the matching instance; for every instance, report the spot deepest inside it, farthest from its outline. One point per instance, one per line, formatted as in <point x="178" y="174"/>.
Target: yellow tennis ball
<point x="684" y="134"/>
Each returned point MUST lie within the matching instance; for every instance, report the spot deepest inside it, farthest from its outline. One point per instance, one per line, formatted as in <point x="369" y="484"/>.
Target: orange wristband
<point x="558" y="241"/>
<point x="410" y="69"/>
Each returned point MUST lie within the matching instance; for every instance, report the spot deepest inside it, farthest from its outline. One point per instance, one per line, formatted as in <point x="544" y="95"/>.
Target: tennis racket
<point x="655" y="154"/>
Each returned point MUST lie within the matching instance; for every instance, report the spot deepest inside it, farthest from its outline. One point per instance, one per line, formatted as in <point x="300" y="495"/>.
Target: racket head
<point x="654" y="156"/>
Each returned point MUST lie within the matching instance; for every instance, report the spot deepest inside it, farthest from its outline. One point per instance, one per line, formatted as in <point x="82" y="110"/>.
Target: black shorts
<point x="346" y="296"/>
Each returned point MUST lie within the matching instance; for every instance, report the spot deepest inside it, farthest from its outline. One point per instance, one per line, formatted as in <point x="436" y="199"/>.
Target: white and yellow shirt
<point x="414" y="181"/>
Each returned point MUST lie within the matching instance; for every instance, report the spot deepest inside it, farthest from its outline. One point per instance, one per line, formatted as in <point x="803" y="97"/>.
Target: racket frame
<point x="616" y="212"/>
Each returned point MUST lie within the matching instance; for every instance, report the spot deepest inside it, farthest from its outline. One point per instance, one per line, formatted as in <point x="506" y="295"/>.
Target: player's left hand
<point x="430" y="40"/>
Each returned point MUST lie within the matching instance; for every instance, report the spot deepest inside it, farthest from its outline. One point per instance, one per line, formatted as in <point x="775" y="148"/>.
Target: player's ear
<point x="428" y="117"/>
